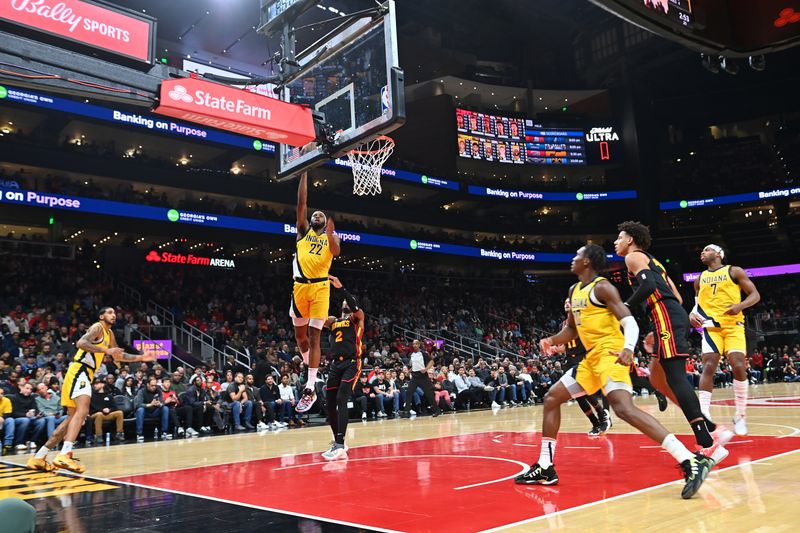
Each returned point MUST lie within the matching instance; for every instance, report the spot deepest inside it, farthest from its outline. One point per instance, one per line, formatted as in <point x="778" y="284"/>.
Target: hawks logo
<point x="665" y="336"/>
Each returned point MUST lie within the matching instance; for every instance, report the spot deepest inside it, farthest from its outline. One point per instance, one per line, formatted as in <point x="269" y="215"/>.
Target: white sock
<point x="305" y="356"/>
<point x="740" y="397"/>
<point x="676" y="448"/>
<point x="42" y="453"/>
<point x="705" y="403"/>
<point x="547" y="453"/>
<point x="67" y="447"/>
<point x="312" y="378"/>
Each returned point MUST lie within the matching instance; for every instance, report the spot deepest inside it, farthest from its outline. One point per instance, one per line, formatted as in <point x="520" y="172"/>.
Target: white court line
<point x="265" y="435"/>
<point x="583" y="447"/>
<point x="527" y="445"/>
<point x="620" y="496"/>
<point x="738" y="442"/>
<point x="524" y="465"/>
<point x="232" y="502"/>
<point x="795" y="430"/>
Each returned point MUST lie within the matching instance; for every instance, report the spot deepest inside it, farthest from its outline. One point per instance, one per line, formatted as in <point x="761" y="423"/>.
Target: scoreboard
<point x="496" y="139"/>
<point x="550" y="146"/>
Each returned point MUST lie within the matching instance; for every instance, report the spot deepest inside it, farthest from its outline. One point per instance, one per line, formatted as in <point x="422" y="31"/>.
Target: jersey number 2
<point x="338" y="336"/>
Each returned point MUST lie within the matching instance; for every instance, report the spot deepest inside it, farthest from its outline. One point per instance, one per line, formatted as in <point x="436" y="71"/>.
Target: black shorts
<point x="343" y="370"/>
<point x="672" y="329"/>
<point x="572" y="361"/>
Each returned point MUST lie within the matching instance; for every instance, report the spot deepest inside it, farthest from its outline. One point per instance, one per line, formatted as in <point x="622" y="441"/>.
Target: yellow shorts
<point x="725" y="339"/>
<point x="311" y="300"/>
<point x="602" y="372"/>
<point x="77" y="382"/>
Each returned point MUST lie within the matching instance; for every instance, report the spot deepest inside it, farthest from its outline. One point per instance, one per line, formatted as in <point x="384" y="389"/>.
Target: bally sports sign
<point x="92" y="24"/>
<point x="236" y="110"/>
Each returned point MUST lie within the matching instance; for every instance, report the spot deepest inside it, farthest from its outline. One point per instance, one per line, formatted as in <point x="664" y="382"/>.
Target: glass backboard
<point x="352" y="77"/>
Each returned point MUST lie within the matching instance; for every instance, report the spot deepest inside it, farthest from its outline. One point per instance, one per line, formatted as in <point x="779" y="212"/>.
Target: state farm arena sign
<point x="236" y="110"/>
<point x="96" y="25"/>
<point x="171" y="258"/>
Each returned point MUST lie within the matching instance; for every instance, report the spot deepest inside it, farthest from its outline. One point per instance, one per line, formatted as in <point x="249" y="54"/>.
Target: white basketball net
<point x="367" y="162"/>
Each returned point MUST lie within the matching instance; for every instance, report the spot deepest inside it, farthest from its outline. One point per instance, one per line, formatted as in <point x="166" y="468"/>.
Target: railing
<point x="538" y="331"/>
<point x="48" y="250"/>
<point x="429" y="335"/>
<point x="196" y="342"/>
<point x="484" y="350"/>
<point x="466" y="346"/>
<point x="767" y="325"/>
<point x="137" y="334"/>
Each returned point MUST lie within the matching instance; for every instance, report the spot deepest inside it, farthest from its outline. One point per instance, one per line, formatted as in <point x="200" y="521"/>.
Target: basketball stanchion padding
<point x="367" y="162"/>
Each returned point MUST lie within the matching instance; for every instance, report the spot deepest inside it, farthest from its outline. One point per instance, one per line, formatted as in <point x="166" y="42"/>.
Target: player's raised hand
<point x="547" y="347"/>
<point x="330" y="227"/>
<point x="335" y="281"/>
<point x="624" y="357"/>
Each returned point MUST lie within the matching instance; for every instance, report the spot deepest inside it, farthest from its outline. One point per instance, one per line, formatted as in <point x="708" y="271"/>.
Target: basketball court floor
<point x="448" y="474"/>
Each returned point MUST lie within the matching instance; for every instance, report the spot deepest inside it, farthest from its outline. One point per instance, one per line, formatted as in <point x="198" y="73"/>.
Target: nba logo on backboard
<point x="386" y="100"/>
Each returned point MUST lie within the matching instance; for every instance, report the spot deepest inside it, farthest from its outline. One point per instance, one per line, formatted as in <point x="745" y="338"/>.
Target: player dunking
<point x="596" y="316"/>
<point x="317" y="245"/>
<point x="667" y="372"/>
<point x="344" y="369"/>
<point x="575" y="352"/>
<point x="76" y="392"/>
<point x="718" y="310"/>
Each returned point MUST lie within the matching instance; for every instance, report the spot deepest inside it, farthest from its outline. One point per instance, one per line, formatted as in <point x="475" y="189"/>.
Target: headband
<point x="717" y="249"/>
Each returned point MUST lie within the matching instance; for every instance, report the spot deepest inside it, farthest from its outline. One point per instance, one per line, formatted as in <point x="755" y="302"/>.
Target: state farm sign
<point x="236" y="110"/>
<point x="96" y="25"/>
<point x="188" y="259"/>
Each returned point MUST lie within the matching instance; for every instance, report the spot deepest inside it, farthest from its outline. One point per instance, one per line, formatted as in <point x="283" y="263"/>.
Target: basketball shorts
<point x="310" y="300"/>
<point x="725" y="339"/>
<point x="601" y="372"/>
<point x="77" y="382"/>
<point x="672" y="329"/>
<point x="343" y="370"/>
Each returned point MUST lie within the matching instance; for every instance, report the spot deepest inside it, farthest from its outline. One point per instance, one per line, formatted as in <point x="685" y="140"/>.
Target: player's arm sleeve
<point x="352" y="303"/>
<point x="647" y="286"/>
<point x="630" y="329"/>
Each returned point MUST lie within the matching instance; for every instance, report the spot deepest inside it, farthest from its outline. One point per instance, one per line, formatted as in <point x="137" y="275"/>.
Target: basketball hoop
<point x="367" y="162"/>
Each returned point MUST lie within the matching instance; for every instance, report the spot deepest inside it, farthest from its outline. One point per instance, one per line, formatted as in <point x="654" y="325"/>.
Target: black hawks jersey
<point x="663" y="292"/>
<point x="345" y="338"/>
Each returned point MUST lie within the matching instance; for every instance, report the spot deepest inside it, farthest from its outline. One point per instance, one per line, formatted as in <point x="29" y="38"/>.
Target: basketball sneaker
<point x="662" y="401"/>
<point x="722" y="435"/>
<point x="67" y="462"/>
<point x="595" y="431"/>
<point x="739" y="426"/>
<point x="39" y="464"/>
<point x="537" y="475"/>
<point x="336" y="452"/>
<point x="716" y="452"/>
<point x="606" y="423"/>
<point x="695" y="471"/>
<point x="306" y="401"/>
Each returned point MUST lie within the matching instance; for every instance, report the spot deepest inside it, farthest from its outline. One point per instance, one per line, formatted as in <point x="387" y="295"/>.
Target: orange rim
<point x="379" y="150"/>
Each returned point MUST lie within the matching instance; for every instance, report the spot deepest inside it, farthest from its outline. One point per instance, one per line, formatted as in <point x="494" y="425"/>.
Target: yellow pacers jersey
<point x="92" y="361"/>
<point x="718" y="291"/>
<point x="313" y="258"/>
<point x="596" y="324"/>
